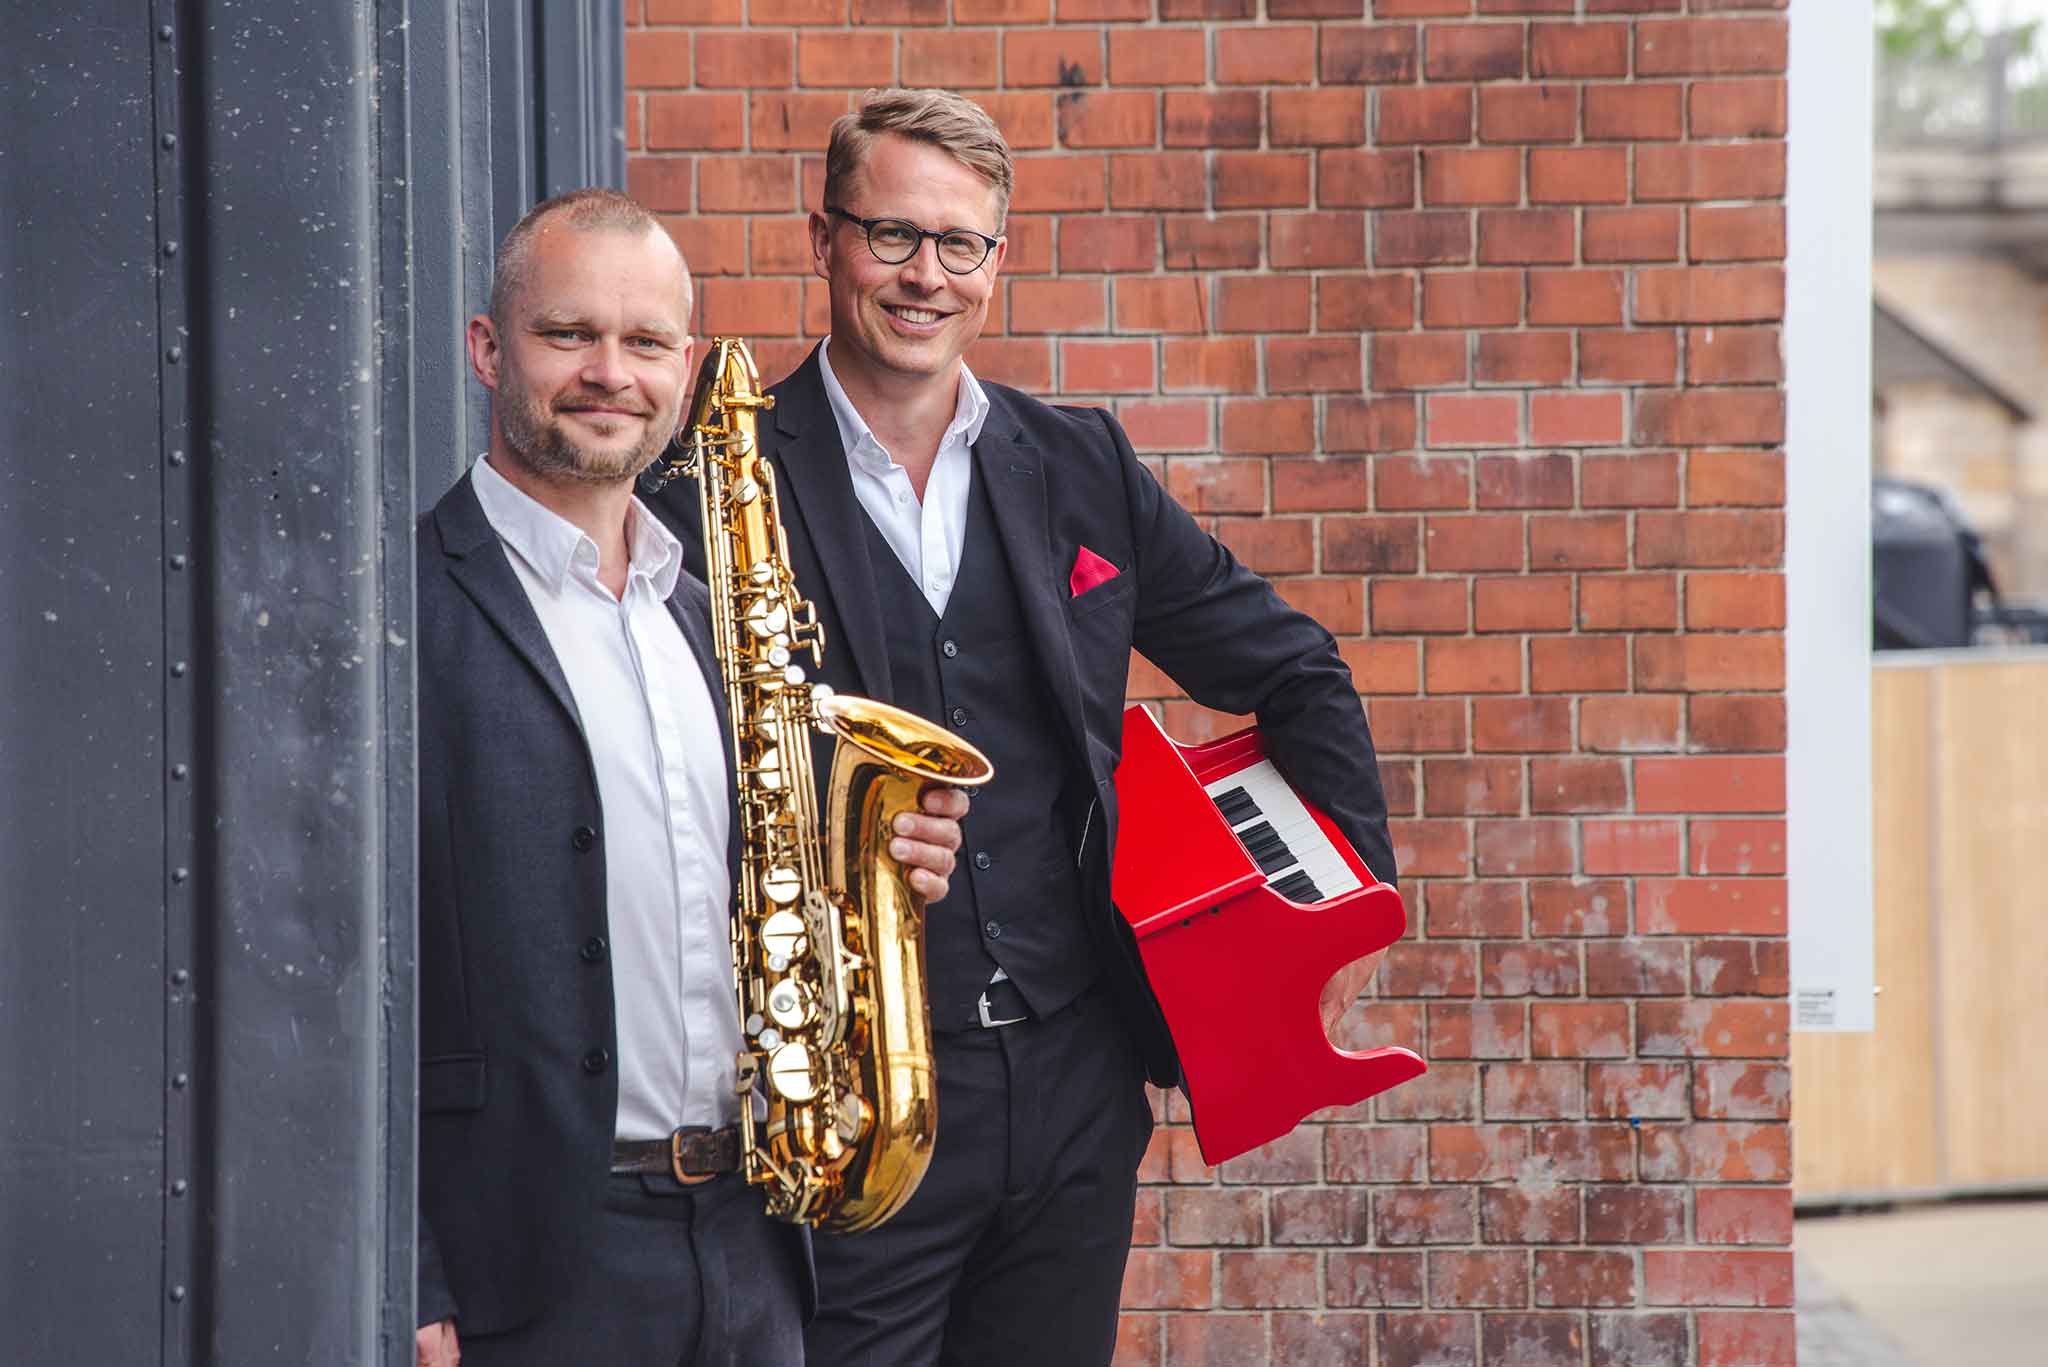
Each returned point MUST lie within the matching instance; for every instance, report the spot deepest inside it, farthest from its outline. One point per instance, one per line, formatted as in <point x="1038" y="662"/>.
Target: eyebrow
<point x="567" y="318"/>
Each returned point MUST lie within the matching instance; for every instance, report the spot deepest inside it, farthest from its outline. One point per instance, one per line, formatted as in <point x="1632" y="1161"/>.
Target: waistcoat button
<point x="596" y="1061"/>
<point x="593" y="950"/>
<point x="958" y="716"/>
<point x="583" y="839"/>
<point x="949" y="649"/>
<point x="982" y="860"/>
<point x="994" y="930"/>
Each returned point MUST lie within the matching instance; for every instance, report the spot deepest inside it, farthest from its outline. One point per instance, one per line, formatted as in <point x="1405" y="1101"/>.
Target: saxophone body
<point x="828" y="938"/>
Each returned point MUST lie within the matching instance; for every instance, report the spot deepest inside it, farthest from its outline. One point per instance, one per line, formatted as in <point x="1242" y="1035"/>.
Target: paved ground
<point x="1957" y="1285"/>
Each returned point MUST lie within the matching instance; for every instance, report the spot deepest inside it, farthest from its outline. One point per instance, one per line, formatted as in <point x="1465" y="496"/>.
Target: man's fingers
<point x="918" y="854"/>
<point x="930" y="830"/>
<point x="435" y="1345"/>
<point x="947" y="802"/>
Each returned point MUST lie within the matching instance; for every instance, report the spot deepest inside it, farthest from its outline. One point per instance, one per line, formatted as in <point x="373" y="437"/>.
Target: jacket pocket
<point x="452" y="1082"/>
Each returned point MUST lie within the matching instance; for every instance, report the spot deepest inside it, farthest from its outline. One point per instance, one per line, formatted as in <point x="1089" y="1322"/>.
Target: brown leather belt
<point x="694" y="1153"/>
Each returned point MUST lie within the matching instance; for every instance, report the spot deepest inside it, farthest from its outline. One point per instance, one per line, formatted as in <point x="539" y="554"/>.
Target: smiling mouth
<point x="913" y="315"/>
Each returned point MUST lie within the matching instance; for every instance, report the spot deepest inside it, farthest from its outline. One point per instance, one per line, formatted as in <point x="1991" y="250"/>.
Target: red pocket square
<point x="1090" y="569"/>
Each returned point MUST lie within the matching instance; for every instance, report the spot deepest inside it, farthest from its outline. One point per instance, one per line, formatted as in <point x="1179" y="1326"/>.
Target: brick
<point x="1574" y="1277"/>
<point x="1720" y="906"/>
<point x="1471" y="299"/>
<point x="1109" y="243"/>
<point x="1629" y="725"/>
<point x="1108" y="118"/>
<point x="1528" y="113"/>
<point x="955" y="59"/>
<point x="1362" y="178"/>
<point x="1411" y="606"/>
<point x="1635" y="1215"/>
<point x="1519" y="725"/>
<point x="1510" y="237"/>
<point x="1315" y="240"/>
<point x="712" y="246"/>
<point x="1635" y="356"/>
<point x="745" y="59"/>
<point x="657" y="59"/>
<point x="1528" y="1214"/>
<point x="1524" y="481"/>
<point x="1371" y="545"/>
<point x="1561" y="1030"/>
<point x="1473" y="420"/>
<point x="1416" y="361"/>
<point x="1637" y="1091"/>
<point x="1733" y="845"/>
<point x="1699" y="1277"/>
<point x="1629" y="481"/>
<point x="1473" y="52"/>
<point x="1571" y="418"/>
<point x="1577" y="784"/>
<point x="1476" y="543"/>
<point x="1744" y="1215"/>
<point x="1473" y="1280"/>
<point x="1432" y="849"/>
<point x="1030" y="244"/>
<point x="1269" y="426"/>
<point x="1211" y="1339"/>
<point x="1578" y="175"/>
<point x="1218" y="486"/>
<point x="1266" y="56"/>
<point x="1522" y="358"/>
<point x="1710" y="294"/>
<point x="1748" y="1338"/>
<point x="1293" y="1159"/>
<point x="1253" y="180"/>
<point x="1375" y="1279"/>
<point x="1269" y="545"/>
<point x="1054" y="56"/>
<point x="1202" y="1215"/>
<point x="1223" y="242"/>
<point x="1261" y="303"/>
<point x="1535" y="968"/>
<point x="1101" y="11"/>
<point x="1707" y="417"/>
<point x="1635" y="234"/>
<point x="1585" y="664"/>
<point x="1488" y="909"/>
<point x="1163" y="303"/>
<point x="1428" y="970"/>
<point x="1534" y="1340"/>
<point x="1365" y="303"/>
<point x="1464" y="175"/>
<point x="1162" y="1279"/>
<point x="1531" y="1091"/>
<point x="1167" y="424"/>
<point x="1427" y="238"/>
<point x="1368" y="54"/>
<point x="1641" y="112"/>
<point x="1706" y="663"/>
<point x="1319" y="1217"/>
<point x="1575" y="298"/>
<point x="1578" y="50"/>
<point x="1736" y="1090"/>
<point x="1713" y="1029"/>
<point x="1058" y="183"/>
<point x="1138" y="1340"/>
<point x="1710" y="47"/>
<point x="747" y="185"/>
<point x="1338" y="604"/>
<point x="1742" y="232"/>
<point x="1025" y="118"/>
<point x="1163" y="180"/>
<point x="1737" y="109"/>
<point x="1111" y="367"/>
<point x="1022" y="363"/>
<point x="1314" y="365"/>
<point x="1749" y="170"/>
<point x="1226" y="365"/>
<point x="1416" y="1340"/>
<point x="1578" y="541"/>
<point x="1197" y="119"/>
<point x="892" y="12"/>
<point x="857" y="59"/>
<point x="1377" y="1154"/>
<point x="1466" y="787"/>
<point x="1448" y="1091"/>
<point x="1735" y="479"/>
<point x="663" y="184"/>
<point x="1355" y="424"/>
<point x="1423" y="114"/>
<point x="1151" y="56"/>
<point x="1629" y="602"/>
<point x="1406" y="1216"/>
<point x="1315" y="118"/>
<point x="1472" y="666"/>
<point x="1712" y="540"/>
<point x="1521" y="848"/>
<point x="1321" y="1340"/>
<point x="1207" y="9"/>
<point x="1734" y="355"/>
<point x="734" y="306"/>
<point x="1581" y="1153"/>
<point x="1657" y="1340"/>
<point x="1635" y="968"/>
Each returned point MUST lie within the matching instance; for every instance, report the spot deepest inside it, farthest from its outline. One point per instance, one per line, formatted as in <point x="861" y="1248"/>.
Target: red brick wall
<point x="1459" y="319"/>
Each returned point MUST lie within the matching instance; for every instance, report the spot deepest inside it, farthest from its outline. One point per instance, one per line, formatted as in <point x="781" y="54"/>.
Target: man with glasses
<point x="990" y="561"/>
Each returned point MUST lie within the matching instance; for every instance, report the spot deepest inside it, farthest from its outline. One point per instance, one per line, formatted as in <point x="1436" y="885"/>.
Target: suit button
<point x="982" y="860"/>
<point x="949" y="648"/>
<point x="583" y="839"/>
<point x="958" y="716"/>
<point x="596" y="1061"/>
<point x="994" y="930"/>
<point x="593" y="950"/>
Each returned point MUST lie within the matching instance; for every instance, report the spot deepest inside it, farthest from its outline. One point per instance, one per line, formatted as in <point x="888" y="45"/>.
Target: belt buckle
<point x="675" y="1155"/>
<point x="989" y="1022"/>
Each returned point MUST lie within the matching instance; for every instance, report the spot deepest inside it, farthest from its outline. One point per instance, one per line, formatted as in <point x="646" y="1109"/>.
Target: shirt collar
<point x="970" y="411"/>
<point x="552" y="546"/>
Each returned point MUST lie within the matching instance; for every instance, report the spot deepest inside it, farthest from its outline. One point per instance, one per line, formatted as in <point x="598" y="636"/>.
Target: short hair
<point x="952" y="123"/>
<point x="592" y="209"/>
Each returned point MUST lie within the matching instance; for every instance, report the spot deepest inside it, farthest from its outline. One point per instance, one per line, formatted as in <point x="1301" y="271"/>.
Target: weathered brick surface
<point x="1462" y="321"/>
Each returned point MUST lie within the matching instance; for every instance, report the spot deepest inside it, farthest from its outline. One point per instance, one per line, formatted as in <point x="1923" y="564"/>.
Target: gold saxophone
<point x="828" y="943"/>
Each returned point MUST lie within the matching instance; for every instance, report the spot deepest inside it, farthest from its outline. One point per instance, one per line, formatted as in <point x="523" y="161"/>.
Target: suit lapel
<point x="479" y="565"/>
<point x="1013" y="475"/>
<point x="822" y="516"/>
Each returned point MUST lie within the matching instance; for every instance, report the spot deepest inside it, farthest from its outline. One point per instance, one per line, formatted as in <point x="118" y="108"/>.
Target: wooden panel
<point x="1863" y="1104"/>
<point x="1991" y="934"/>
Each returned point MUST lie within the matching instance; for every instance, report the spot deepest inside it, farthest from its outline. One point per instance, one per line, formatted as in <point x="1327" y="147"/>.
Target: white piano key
<point x="1290" y="819"/>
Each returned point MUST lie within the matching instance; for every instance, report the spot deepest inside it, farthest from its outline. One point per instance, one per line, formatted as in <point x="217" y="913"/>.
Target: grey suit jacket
<point x="518" y="1089"/>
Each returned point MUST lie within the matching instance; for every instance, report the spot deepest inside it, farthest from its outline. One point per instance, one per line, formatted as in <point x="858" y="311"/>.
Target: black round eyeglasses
<point x="895" y="240"/>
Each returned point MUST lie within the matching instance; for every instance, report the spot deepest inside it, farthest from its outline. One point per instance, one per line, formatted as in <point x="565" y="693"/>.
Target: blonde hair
<point x="952" y="123"/>
<point x="593" y="209"/>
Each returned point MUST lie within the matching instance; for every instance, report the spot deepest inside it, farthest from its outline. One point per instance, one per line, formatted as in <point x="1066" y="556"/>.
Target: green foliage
<point x="1945" y="29"/>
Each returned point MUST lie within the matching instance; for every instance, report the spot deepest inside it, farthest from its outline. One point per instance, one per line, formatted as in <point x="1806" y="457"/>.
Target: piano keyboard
<point x="1298" y="860"/>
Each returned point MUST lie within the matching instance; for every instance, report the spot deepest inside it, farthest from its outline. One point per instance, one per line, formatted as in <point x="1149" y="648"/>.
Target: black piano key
<point x="1275" y="860"/>
<point x="1298" y="887"/>
<point x="1261" y="833"/>
<point x="1237" y="806"/>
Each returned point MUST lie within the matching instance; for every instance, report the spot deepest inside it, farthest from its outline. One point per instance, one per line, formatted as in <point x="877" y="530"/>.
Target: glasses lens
<point x="892" y="240"/>
<point x="961" y="252"/>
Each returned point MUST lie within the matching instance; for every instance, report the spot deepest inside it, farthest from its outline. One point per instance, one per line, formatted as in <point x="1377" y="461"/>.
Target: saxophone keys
<point x="747" y="491"/>
<point x="766" y="618"/>
<point x="790" y="1072"/>
<point x="791" y="1004"/>
<point x="782" y="885"/>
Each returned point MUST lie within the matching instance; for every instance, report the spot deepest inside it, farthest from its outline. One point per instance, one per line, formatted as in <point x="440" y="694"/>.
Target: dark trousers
<point x="1012" y="1250"/>
<point x="676" y="1277"/>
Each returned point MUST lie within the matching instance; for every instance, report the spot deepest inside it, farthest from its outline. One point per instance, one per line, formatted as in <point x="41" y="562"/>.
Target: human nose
<point x="605" y="366"/>
<point x="922" y="268"/>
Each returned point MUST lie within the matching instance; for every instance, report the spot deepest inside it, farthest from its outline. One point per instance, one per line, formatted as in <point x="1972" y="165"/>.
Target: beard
<point x="533" y="430"/>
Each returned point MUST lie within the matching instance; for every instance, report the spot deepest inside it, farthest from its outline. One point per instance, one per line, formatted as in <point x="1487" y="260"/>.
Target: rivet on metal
<point x="178" y="771"/>
<point x="177" y="457"/>
<point x="177" y="1293"/>
<point x="178" y="562"/>
<point x="180" y="977"/>
<point x="179" y="1080"/>
<point x="178" y="669"/>
<point x="170" y="249"/>
<point x="179" y="1187"/>
<point x="170" y="140"/>
<point x="164" y="33"/>
<point x="180" y="874"/>
<point x="175" y="354"/>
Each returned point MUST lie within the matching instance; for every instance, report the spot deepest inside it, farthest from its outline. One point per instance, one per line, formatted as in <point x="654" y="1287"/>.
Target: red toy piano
<point x="1244" y="900"/>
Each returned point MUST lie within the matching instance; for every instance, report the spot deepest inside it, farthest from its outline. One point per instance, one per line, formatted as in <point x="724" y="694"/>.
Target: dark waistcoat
<point x="1016" y="897"/>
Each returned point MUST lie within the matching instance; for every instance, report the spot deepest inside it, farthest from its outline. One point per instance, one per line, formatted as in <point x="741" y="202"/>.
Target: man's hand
<point x="1343" y="989"/>
<point x="926" y="843"/>
<point x="435" y="1345"/>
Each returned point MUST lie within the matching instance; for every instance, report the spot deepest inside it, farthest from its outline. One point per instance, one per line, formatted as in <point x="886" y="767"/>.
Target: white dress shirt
<point x="658" y="752"/>
<point x="926" y="535"/>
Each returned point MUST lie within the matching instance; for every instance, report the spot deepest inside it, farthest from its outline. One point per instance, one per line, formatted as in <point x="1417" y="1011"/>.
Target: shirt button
<point x="596" y="1061"/>
<point x="593" y="950"/>
<point x="949" y="649"/>
<point x="982" y="860"/>
<point x="994" y="930"/>
<point x="583" y="839"/>
<point x="903" y="498"/>
<point x="958" y="716"/>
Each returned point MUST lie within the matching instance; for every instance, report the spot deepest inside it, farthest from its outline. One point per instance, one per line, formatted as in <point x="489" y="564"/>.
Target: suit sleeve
<point x="436" y="1302"/>
<point x="1222" y="633"/>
